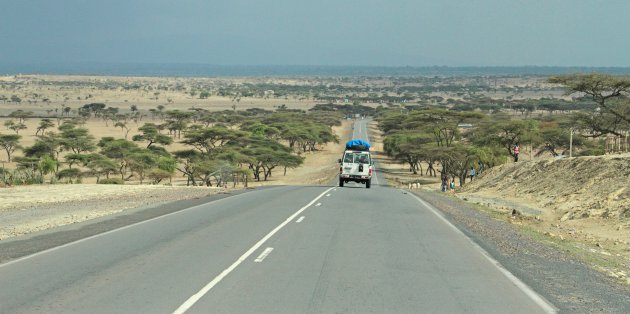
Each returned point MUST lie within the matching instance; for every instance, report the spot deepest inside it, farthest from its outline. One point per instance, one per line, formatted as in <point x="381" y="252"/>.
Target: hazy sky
<point x="318" y="32"/>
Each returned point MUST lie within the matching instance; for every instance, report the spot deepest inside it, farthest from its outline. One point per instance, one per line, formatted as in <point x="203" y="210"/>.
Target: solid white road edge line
<point x="197" y="296"/>
<point x="263" y="255"/>
<point x="300" y="219"/>
<point x="538" y="299"/>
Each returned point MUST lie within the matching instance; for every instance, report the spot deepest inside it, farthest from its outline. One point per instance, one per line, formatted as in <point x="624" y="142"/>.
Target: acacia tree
<point x="150" y="133"/>
<point x="76" y="139"/>
<point x="177" y="121"/>
<point x="123" y="126"/>
<point x="266" y="155"/>
<point x="408" y="147"/>
<point x="610" y="93"/>
<point x="119" y="150"/>
<point x="506" y="134"/>
<point x="48" y="145"/>
<point x="10" y="143"/>
<point x="140" y="161"/>
<point x="188" y="160"/>
<point x="44" y="124"/>
<point x="99" y="165"/>
<point x="17" y="127"/>
<point x="208" y="140"/>
<point x="21" y="115"/>
<point x="556" y="141"/>
<point x="95" y="109"/>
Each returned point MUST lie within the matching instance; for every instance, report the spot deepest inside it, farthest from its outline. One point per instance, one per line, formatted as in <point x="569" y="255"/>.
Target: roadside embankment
<point x="582" y="204"/>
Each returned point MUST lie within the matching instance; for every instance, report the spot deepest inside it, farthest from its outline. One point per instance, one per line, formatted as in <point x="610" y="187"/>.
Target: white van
<point x="356" y="166"/>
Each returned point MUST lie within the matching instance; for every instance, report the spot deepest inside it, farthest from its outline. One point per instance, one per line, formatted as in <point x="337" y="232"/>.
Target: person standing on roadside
<point x="453" y="186"/>
<point x="517" y="150"/>
<point x="444" y="183"/>
<point x="472" y="173"/>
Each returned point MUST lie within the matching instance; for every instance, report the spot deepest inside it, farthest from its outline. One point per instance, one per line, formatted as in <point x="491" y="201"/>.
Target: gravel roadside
<point x="136" y="209"/>
<point x="28" y="209"/>
<point x="569" y="284"/>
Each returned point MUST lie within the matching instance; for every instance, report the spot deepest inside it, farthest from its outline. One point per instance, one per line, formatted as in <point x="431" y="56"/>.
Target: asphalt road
<point x="360" y="132"/>
<point x="317" y="249"/>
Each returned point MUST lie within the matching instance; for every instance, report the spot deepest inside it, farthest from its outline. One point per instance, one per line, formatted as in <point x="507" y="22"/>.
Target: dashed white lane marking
<point x="197" y="296"/>
<point x="318" y="204"/>
<point x="538" y="299"/>
<point x="263" y="255"/>
<point x="300" y="219"/>
<point x="327" y="195"/>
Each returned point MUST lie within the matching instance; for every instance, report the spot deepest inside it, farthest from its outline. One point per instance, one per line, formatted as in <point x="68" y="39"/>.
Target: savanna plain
<point x="75" y="148"/>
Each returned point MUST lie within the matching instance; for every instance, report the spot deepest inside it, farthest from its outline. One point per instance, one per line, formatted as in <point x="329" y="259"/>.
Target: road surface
<point x="291" y="249"/>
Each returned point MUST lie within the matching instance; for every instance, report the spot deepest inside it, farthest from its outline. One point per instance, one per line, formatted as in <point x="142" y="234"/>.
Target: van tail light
<point x="370" y="171"/>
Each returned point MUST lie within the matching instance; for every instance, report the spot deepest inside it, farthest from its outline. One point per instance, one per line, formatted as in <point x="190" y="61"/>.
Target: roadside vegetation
<point x="219" y="147"/>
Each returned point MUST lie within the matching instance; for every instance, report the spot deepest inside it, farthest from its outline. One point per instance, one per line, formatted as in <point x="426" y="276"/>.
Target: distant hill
<point x="207" y="70"/>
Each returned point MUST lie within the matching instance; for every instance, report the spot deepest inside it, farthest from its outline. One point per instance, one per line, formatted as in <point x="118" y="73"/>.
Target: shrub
<point x="111" y="181"/>
<point x="20" y="177"/>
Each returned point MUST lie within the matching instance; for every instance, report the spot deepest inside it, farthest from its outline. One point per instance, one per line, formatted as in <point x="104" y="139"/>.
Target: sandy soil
<point x="591" y="194"/>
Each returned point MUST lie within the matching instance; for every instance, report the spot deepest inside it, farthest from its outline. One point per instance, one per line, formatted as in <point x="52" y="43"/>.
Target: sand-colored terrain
<point x="591" y="194"/>
<point x="46" y="95"/>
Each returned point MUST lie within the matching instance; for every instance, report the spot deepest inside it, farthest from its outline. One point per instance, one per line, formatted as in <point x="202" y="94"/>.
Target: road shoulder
<point x="28" y="244"/>
<point x="569" y="284"/>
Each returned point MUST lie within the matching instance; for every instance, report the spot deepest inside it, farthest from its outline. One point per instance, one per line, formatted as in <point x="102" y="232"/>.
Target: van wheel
<point x="340" y="183"/>
<point x="368" y="183"/>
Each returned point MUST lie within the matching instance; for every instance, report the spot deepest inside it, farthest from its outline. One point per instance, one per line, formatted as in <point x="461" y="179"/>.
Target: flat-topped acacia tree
<point x="610" y="93"/>
<point x="10" y="143"/>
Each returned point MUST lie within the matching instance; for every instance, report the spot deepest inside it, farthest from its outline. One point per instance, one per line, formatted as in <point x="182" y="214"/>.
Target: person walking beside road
<point x="453" y="186"/>
<point x="517" y="150"/>
<point x="472" y="173"/>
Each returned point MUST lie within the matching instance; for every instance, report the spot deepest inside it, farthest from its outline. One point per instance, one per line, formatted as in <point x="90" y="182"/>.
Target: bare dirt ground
<point x="581" y="204"/>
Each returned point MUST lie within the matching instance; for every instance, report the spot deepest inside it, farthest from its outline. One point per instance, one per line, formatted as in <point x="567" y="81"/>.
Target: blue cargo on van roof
<point x="358" y="145"/>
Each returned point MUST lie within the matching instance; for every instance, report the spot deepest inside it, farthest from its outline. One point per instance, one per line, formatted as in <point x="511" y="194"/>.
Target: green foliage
<point x="100" y="165"/>
<point x="10" y="143"/>
<point x="158" y="175"/>
<point x="610" y="93"/>
<point x="76" y="139"/>
<point x="21" y="115"/>
<point x="150" y="133"/>
<point x="45" y="145"/>
<point x="47" y="165"/>
<point x="44" y="124"/>
<point x="69" y="174"/>
<point x="208" y="140"/>
<point x="20" y="177"/>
